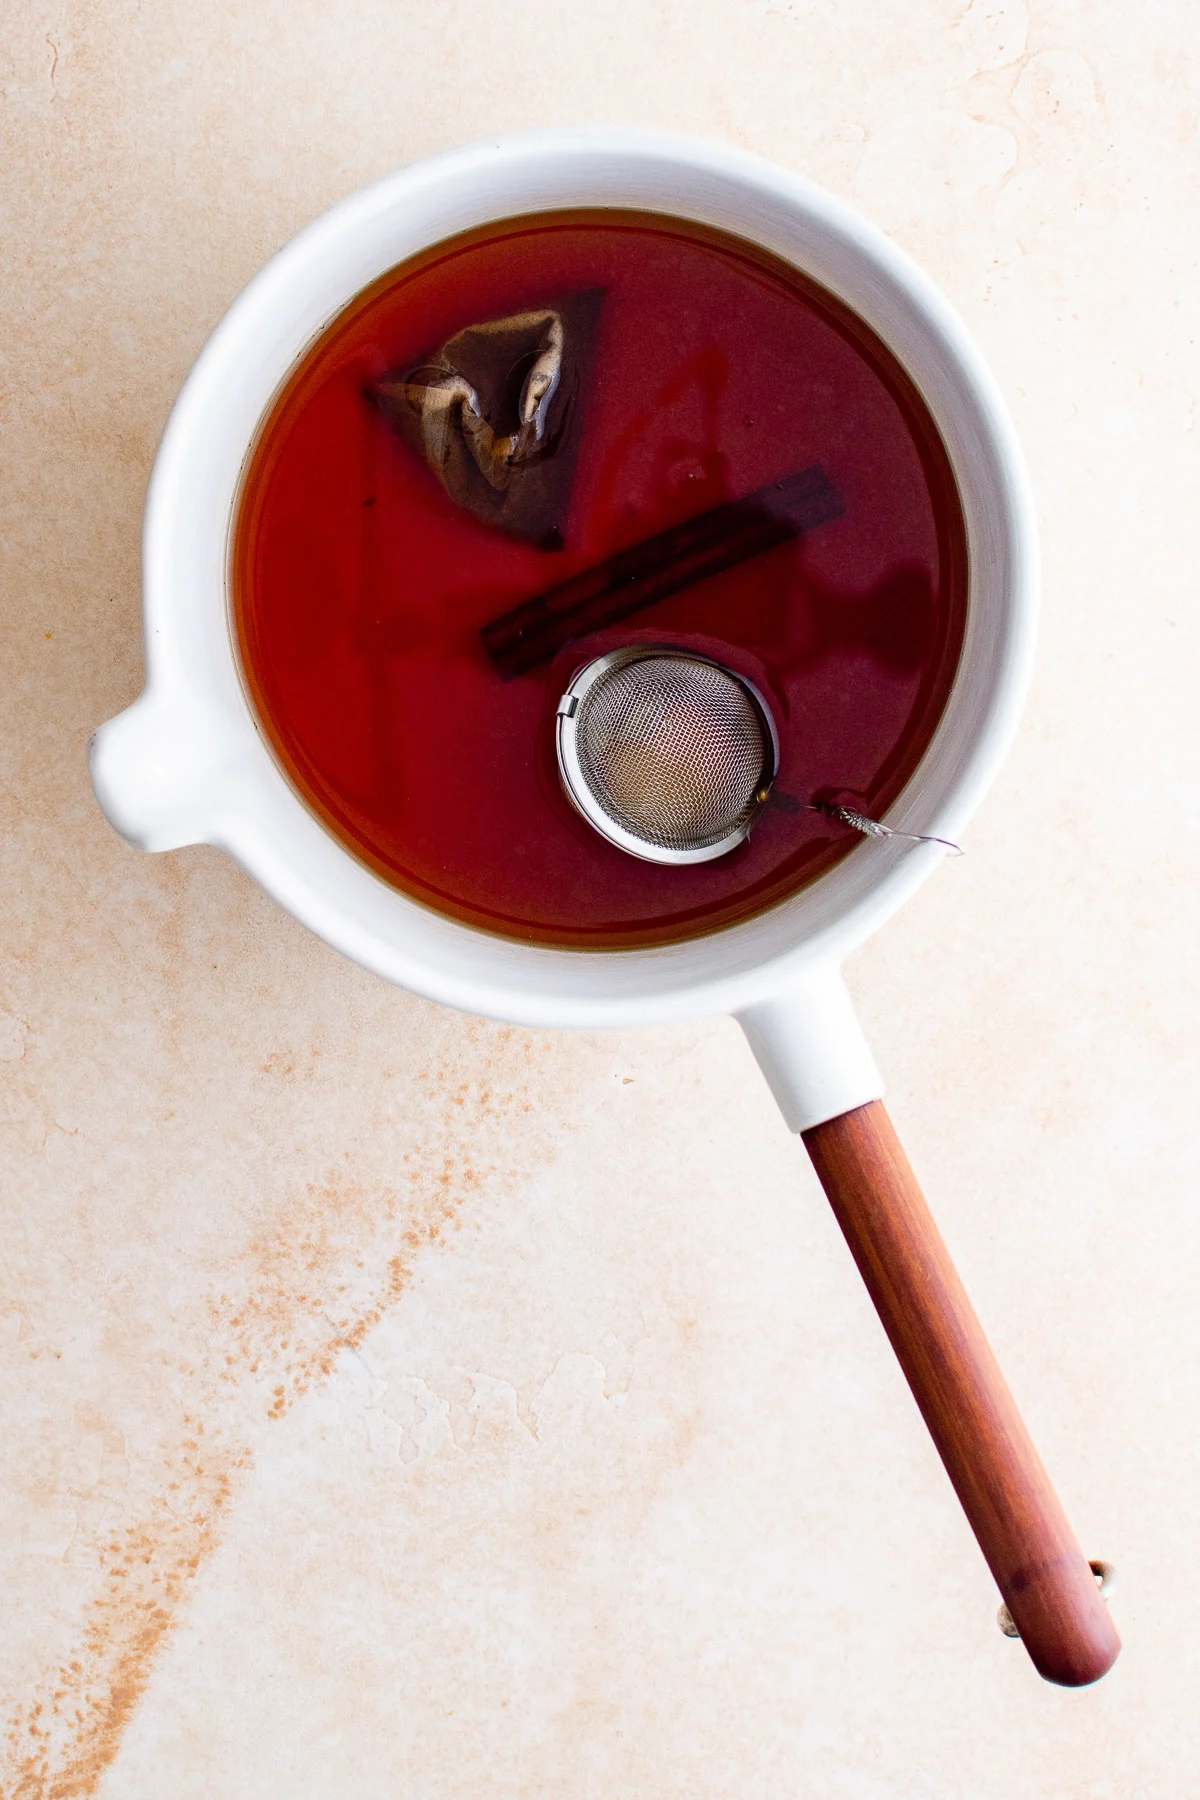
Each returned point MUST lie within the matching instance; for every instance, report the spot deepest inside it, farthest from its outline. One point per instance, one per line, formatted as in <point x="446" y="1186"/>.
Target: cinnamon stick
<point x="677" y="558"/>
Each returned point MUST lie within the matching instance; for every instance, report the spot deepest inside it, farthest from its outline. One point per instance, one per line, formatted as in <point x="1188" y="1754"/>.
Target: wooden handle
<point x="997" y="1474"/>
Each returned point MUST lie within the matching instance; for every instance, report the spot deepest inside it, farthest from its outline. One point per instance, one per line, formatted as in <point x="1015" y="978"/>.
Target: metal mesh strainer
<point x="665" y="753"/>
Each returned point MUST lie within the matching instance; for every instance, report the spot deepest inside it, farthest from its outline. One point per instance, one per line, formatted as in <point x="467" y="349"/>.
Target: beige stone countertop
<point x="397" y="1405"/>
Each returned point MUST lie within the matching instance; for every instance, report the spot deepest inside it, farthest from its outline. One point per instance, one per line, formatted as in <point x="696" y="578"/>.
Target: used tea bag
<point x="495" y="414"/>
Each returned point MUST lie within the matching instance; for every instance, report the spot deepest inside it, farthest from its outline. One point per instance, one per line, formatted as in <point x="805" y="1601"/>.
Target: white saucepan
<point x="186" y="763"/>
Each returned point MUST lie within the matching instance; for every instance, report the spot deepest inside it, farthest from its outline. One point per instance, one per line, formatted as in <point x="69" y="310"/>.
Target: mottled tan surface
<point x="396" y="1405"/>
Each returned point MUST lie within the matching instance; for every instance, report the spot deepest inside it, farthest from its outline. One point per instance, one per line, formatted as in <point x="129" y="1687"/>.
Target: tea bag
<point x="496" y="412"/>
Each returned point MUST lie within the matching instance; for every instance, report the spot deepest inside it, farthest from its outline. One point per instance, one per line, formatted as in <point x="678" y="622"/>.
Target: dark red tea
<point x="360" y="587"/>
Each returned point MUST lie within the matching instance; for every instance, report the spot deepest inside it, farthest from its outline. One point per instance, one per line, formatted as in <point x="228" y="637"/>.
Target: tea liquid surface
<point x="360" y="587"/>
